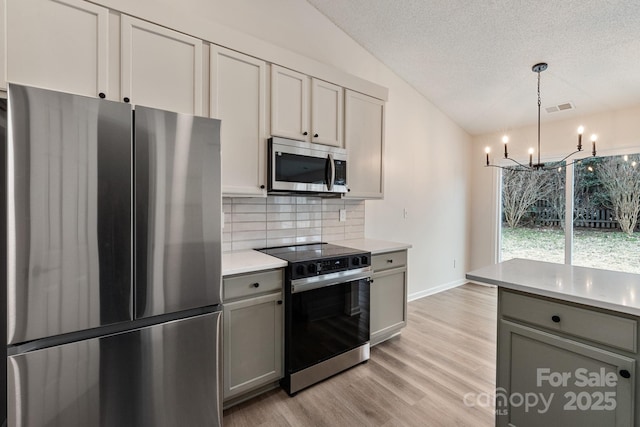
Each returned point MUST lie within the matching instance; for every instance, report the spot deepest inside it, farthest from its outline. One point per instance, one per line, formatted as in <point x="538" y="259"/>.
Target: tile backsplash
<point x="251" y="223"/>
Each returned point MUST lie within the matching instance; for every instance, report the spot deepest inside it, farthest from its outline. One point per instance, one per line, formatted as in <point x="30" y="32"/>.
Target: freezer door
<point x="162" y="375"/>
<point x="68" y="213"/>
<point x="177" y="212"/>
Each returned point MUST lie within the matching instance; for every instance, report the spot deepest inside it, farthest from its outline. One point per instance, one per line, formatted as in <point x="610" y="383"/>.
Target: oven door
<point x="325" y="320"/>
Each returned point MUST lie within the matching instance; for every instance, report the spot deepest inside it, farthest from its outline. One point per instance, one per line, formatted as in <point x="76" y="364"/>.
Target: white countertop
<point x="372" y="245"/>
<point x="247" y="261"/>
<point x="610" y="290"/>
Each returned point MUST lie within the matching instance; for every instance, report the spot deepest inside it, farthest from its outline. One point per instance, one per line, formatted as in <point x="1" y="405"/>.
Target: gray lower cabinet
<point x="388" y="295"/>
<point x="253" y="334"/>
<point x="550" y="373"/>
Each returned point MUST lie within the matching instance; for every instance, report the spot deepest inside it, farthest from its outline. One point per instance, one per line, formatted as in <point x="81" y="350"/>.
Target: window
<point x="606" y="201"/>
<point x="604" y="206"/>
<point x="533" y="206"/>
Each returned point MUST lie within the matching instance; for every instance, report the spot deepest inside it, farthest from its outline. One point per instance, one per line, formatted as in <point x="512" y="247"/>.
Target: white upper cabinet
<point x="289" y="104"/>
<point x="364" y="141"/>
<point x="58" y="44"/>
<point x="161" y="68"/>
<point x="3" y="45"/>
<point x="304" y="108"/>
<point x="238" y="97"/>
<point x="326" y="113"/>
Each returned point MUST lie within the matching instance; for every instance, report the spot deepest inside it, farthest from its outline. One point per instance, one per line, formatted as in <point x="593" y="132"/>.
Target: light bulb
<point x="594" y="137"/>
<point x="487" y="150"/>
<point x="505" y="139"/>
<point x="633" y="164"/>
<point x="580" y="130"/>
<point x="626" y="158"/>
<point x="530" y="150"/>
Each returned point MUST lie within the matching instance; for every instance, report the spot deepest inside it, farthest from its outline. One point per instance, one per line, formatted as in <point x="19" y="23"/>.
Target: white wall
<point x="618" y="133"/>
<point x="427" y="155"/>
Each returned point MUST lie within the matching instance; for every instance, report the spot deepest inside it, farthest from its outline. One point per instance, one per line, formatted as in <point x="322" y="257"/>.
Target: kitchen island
<point x="567" y="344"/>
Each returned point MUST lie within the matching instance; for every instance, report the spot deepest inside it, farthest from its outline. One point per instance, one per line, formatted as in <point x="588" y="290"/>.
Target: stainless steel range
<point x="326" y="311"/>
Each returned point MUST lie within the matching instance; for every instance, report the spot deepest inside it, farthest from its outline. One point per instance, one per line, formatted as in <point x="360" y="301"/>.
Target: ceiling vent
<point x="560" y="107"/>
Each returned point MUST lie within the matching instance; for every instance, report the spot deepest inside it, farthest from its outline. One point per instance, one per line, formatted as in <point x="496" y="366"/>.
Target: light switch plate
<point x="343" y="215"/>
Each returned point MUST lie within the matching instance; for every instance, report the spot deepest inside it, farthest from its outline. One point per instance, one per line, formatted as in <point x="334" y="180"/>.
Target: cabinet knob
<point x="280" y="302"/>
<point x="102" y="95"/>
<point x="126" y="99"/>
<point x="315" y="135"/>
<point x="370" y="280"/>
<point x="256" y="285"/>
<point x="262" y="186"/>
<point x="625" y="374"/>
<point x="555" y="318"/>
<point x="305" y="133"/>
<point x="390" y="261"/>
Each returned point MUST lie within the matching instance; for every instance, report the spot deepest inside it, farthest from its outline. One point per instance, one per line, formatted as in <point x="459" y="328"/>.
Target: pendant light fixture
<point x="538" y="68"/>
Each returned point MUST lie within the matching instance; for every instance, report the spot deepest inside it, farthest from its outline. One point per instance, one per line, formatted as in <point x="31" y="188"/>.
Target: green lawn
<point x="611" y="250"/>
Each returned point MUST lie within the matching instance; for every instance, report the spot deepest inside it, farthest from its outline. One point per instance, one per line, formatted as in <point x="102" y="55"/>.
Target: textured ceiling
<point x="473" y="59"/>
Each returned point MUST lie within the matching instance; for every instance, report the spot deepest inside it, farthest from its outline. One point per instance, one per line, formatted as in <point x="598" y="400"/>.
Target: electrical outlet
<point x="343" y="215"/>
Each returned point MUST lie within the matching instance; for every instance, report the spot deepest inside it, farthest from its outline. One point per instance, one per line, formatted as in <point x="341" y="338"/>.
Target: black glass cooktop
<point x="308" y="252"/>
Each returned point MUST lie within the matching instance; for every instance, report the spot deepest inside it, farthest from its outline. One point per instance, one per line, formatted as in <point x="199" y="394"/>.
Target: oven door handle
<point x="330" y="279"/>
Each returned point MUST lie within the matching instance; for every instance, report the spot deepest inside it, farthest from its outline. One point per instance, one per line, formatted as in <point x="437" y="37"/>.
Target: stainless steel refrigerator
<point x="113" y="260"/>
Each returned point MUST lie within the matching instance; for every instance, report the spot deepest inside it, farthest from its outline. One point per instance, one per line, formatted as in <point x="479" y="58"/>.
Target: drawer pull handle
<point x="555" y="318"/>
<point x="256" y="285"/>
<point x="390" y="261"/>
<point x="625" y="374"/>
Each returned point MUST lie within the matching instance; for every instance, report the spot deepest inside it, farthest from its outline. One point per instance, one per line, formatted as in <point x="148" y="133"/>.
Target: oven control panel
<point x="329" y="265"/>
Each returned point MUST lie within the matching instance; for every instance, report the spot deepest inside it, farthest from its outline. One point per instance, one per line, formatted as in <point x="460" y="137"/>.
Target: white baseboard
<point x="437" y="289"/>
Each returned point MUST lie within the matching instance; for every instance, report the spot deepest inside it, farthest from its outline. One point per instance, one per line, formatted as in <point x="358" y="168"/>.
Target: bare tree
<point x="553" y="185"/>
<point x="586" y="197"/>
<point x="620" y="178"/>
<point x="520" y="190"/>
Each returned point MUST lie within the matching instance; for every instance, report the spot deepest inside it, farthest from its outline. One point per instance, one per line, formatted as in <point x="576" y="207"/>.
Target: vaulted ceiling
<point x="473" y="59"/>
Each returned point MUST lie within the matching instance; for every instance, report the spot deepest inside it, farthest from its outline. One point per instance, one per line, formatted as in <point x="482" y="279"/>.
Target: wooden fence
<point x="543" y="215"/>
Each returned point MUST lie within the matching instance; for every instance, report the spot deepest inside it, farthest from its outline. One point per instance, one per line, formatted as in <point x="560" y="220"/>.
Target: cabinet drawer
<point x="246" y="285"/>
<point x="594" y="326"/>
<point x="389" y="260"/>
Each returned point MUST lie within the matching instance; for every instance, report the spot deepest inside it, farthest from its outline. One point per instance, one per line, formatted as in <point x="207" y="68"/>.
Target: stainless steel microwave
<point x="296" y="166"/>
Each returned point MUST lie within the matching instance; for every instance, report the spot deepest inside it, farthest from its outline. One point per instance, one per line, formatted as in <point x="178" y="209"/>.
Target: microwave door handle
<point x="330" y="172"/>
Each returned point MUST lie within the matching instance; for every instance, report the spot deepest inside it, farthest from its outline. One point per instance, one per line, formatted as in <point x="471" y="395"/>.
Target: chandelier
<point x="538" y="68"/>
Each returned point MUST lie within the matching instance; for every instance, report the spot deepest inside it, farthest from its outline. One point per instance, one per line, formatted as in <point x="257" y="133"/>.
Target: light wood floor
<point x="417" y="379"/>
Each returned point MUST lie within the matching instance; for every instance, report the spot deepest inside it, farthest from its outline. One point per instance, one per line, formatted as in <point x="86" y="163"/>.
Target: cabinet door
<point x="161" y="68"/>
<point x="364" y="141"/>
<point x="58" y="44"/>
<point x="252" y="343"/>
<point x="326" y="113"/>
<point x="289" y="104"/>
<point x="238" y="98"/>
<point x="388" y="304"/>
<point x="537" y="367"/>
<point x="3" y="44"/>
